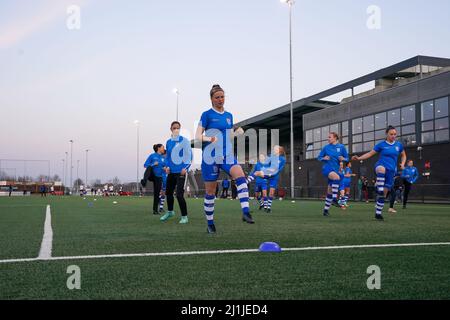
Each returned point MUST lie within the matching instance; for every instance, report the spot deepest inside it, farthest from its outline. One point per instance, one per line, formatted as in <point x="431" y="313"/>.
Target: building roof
<point x="280" y="117"/>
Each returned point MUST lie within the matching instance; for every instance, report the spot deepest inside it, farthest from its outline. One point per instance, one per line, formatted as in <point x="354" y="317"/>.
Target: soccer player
<point x="157" y="162"/>
<point x="261" y="183"/>
<point x="275" y="164"/>
<point x="331" y="155"/>
<point x="347" y="181"/>
<point x="225" y="188"/>
<point x="410" y="175"/>
<point x="386" y="166"/>
<point x="179" y="158"/>
<point x="216" y="130"/>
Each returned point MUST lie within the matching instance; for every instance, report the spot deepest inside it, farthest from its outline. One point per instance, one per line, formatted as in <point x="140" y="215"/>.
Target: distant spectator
<point x="10" y="189"/>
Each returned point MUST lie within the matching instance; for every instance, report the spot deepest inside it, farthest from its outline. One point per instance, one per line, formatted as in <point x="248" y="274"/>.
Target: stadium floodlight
<point x="86" y="182"/>
<point x="291" y="3"/>
<point x="71" y="165"/>
<point x="137" y="123"/>
<point x="177" y="92"/>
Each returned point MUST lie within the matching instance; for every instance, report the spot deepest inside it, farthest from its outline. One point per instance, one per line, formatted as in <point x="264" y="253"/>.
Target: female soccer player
<point x="410" y="176"/>
<point x="157" y="162"/>
<point x="331" y="155"/>
<point x="179" y="157"/>
<point x="216" y="130"/>
<point x="271" y="172"/>
<point x="162" y="194"/>
<point x="261" y="183"/>
<point x="347" y="181"/>
<point x="386" y="167"/>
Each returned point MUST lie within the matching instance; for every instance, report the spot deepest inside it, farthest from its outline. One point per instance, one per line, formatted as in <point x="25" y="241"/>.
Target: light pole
<point x="71" y="165"/>
<point x="65" y="172"/>
<point x="78" y="177"/>
<point x="86" y="182"/>
<point x="291" y="3"/>
<point x="136" y="122"/>
<point x="177" y="92"/>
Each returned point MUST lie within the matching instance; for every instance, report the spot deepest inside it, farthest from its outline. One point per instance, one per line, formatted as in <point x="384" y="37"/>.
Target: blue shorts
<point x="261" y="186"/>
<point x="389" y="176"/>
<point x="346" y="183"/>
<point x="210" y="172"/>
<point x="273" y="182"/>
<point x="326" y="170"/>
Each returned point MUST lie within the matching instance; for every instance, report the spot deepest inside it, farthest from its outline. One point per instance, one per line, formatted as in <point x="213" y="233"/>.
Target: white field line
<point x="189" y="253"/>
<point x="47" y="239"/>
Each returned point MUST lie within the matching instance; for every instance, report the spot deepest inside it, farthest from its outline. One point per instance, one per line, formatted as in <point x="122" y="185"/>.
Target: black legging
<point x="406" y="192"/>
<point x="157" y="183"/>
<point x="176" y="180"/>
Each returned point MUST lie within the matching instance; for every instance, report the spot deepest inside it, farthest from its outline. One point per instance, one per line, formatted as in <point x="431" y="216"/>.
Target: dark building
<point x="412" y="95"/>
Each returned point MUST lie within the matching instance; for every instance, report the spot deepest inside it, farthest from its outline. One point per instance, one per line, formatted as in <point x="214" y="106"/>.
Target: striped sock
<point x="265" y="202"/>
<point x="249" y="179"/>
<point x="328" y="201"/>
<point x="334" y="188"/>
<point x="269" y="203"/>
<point x="260" y="201"/>
<point x="242" y="188"/>
<point x="161" y="201"/>
<point x="381" y="177"/>
<point x="380" y="205"/>
<point x="209" y="208"/>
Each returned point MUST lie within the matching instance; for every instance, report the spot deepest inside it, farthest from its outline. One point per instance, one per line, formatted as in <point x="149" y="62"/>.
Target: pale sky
<point x="90" y="84"/>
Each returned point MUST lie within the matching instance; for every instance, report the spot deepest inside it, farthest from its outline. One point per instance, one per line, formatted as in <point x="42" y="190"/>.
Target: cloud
<point x="25" y="25"/>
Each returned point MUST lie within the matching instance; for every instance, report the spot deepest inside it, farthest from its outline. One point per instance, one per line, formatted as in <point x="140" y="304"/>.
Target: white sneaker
<point x="392" y="210"/>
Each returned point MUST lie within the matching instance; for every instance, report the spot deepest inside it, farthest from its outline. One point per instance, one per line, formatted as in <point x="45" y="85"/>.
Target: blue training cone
<point x="269" y="247"/>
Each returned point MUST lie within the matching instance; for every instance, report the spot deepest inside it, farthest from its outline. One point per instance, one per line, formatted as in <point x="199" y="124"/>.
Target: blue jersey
<point x="388" y="154"/>
<point x="334" y="151"/>
<point x="218" y="125"/>
<point x="275" y="165"/>
<point x="410" y="174"/>
<point x="157" y="168"/>
<point x="347" y="180"/>
<point x="226" y="183"/>
<point x="259" y="166"/>
<point x="179" y="154"/>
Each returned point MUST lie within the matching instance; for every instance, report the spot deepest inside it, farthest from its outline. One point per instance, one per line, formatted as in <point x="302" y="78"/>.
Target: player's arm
<point x="366" y="156"/>
<point x="188" y="150"/>
<point x="199" y="135"/>
<point x="344" y="156"/>
<point x="322" y="156"/>
<point x="403" y="161"/>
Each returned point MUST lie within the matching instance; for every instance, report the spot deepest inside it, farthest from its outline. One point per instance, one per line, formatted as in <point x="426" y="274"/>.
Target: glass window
<point x="316" y="153"/>
<point x="325" y="132"/>
<point x="394" y="117"/>
<point x="380" y="121"/>
<point x="368" y="124"/>
<point x="379" y="141"/>
<point x="309" y="136"/>
<point x="309" y="155"/>
<point x="406" y="130"/>
<point x="369" y="136"/>
<point x="347" y="147"/>
<point x="442" y="135"/>
<point x="380" y="134"/>
<point x="357" y="138"/>
<point x="316" y="134"/>
<point x="309" y="147"/>
<point x="345" y="140"/>
<point x="368" y="146"/>
<point x="428" y="137"/>
<point x="409" y="140"/>
<point x="317" y="145"/>
<point x="427" y="126"/>
<point x="441" y="123"/>
<point x="427" y="110"/>
<point x="357" y="125"/>
<point x="324" y="143"/>
<point x="345" y="128"/>
<point x="409" y="114"/>
<point x="334" y="128"/>
<point x="441" y="108"/>
<point x="357" y="147"/>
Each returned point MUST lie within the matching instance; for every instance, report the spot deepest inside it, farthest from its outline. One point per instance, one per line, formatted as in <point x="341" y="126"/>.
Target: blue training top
<point x="410" y="174"/>
<point x="218" y="125"/>
<point x="259" y="166"/>
<point x="275" y="165"/>
<point x="389" y="153"/>
<point x="347" y="171"/>
<point x="152" y="160"/>
<point x="179" y="154"/>
<point x="334" y="151"/>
